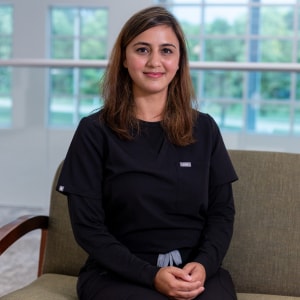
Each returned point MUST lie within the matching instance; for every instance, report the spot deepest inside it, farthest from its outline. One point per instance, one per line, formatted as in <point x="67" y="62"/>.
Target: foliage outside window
<point x="244" y="31"/>
<point x="76" y="33"/>
<point x="6" y="31"/>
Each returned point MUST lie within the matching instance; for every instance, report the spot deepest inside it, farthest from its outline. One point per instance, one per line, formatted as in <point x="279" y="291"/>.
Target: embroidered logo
<point x="61" y="188"/>
<point x="185" y="164"/>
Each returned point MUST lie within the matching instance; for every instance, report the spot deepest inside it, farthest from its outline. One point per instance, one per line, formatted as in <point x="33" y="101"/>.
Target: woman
<point x="148" y="178"/>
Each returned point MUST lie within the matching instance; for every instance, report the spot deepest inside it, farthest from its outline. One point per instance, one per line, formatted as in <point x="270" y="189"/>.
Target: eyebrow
<point x="147" y="44"/>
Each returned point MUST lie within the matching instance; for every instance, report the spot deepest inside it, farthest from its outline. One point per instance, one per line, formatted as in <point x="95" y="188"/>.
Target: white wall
<point x="30" y="152"/>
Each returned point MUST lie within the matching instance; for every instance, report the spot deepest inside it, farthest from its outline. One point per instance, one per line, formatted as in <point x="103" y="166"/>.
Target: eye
<point x="142" y="50"/>
<point x="167" y="51"/>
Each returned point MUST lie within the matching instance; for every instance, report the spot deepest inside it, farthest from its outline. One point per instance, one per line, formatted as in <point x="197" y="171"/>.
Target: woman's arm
<point x="88" y="223"/>
<point x="218" y="228"/>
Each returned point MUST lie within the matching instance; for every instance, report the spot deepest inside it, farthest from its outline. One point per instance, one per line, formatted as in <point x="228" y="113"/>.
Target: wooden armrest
<point x="12" y="231"/>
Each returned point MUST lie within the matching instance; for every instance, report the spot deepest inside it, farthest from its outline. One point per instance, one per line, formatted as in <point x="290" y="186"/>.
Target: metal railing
<point x="69" y="63"/>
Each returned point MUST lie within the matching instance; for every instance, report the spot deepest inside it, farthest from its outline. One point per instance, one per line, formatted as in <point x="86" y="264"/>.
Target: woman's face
<point x="152" y="60"/>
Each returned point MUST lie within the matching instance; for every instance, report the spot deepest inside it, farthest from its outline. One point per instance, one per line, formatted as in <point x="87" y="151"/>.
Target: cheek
<point x="173" y="66"/>
<point x="134" y="69"/>
<point x="133" y="63"/>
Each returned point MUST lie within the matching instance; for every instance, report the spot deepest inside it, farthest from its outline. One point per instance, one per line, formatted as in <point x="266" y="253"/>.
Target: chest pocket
<point x="193" y="182"/>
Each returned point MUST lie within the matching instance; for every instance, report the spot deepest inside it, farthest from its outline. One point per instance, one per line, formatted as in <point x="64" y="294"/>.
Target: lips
<point x="154" y="74"/>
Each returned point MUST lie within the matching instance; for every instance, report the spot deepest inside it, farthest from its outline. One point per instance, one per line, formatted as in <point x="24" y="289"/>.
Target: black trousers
<point x="93" y="285"/>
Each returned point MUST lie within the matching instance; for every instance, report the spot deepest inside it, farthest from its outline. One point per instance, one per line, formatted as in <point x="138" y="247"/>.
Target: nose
<point x="154" y="59"/>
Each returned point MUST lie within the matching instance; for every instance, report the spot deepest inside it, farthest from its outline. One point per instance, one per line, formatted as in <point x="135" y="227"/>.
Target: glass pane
<point x="92" y="49"/>
<point x="181" y="1"/>
<point x="61" y="81"/>
<point x="88" y="105"/>
<point x="226" y="1"/>
<point x="61" y="111"/>
<point x="277" y="21"/>
<point x="224" y="50"/>
<point x="297" y="121"/>
<point x="298" y="12"/>
<point x="275" y="85"/>
<point x="190" y="21"/>
<point x="276" y="51"/>
<point x="197" y="82"/>
<point x="94" y="22"/>
<point x="298" y="87"/>
<point x="6" y="27"/>
<point x="5" y="48"/>
<point x="273" y="119"/>
<point x="188" y="16"/>
<point x="62" y="48"/>
<point x="194" y="49"/>
<point x="89" y="81"/>
<point x="223" y="84"/>
<point x="278" y="1"/>
<point x="63" y="21"/>
<point x="6" y="30"/>
<point x="5" y="81"/>
<point x="77" y="34"/>
<point x="298" y="53"/>
<point x="226" y="20"/>
<point x="5" y="97"/>
<point x="5" y="111"/>
<point x="191" y="30"/>
<point x="227" y="115"/>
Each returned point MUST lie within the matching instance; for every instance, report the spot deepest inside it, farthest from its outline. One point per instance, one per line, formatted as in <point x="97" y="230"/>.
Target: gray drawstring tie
<point x="169" y="259"/>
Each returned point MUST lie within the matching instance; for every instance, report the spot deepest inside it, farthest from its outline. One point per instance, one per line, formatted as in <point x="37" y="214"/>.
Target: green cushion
<point x="47" y="287"/>
<point x="264" y="297"/>
<point x="63" y="287"/>
<point x="264" y="256"/>
<point x="60" y="239"/>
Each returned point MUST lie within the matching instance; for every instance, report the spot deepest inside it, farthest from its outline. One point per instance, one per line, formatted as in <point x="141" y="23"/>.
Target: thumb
<point x="181" y="274"/>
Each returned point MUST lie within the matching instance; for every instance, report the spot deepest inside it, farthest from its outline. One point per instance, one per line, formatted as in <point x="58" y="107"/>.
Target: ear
<point x="125" y="63"/>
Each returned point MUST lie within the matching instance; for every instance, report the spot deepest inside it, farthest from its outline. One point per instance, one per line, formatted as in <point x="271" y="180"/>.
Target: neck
<point x="149" y="109"/>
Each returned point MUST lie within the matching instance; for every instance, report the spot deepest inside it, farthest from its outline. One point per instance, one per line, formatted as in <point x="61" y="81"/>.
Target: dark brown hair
<point x="116" y="86"/>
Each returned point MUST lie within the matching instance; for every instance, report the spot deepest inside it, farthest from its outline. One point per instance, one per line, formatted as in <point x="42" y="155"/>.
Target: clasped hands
<point x="181" y="284"/>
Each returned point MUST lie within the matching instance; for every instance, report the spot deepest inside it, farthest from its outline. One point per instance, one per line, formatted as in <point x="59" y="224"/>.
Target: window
<point x="244" y="31"/>
<point x="76" y="33"/>
<point x="6" y="31"/>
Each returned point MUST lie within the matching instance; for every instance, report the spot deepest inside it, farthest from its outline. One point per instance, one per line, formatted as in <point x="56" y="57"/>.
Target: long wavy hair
<point x="116" y="86"/>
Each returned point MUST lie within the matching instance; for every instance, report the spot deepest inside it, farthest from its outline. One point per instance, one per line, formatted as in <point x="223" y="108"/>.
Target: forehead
<point x="160" y="34"/>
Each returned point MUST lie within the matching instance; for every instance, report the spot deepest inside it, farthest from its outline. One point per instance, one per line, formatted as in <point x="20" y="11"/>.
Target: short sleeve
<point x="82" y="169"/>
<point x="221" y="168"/>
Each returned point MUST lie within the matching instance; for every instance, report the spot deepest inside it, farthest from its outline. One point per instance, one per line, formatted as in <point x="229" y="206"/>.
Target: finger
<point x="188" y="267"/>
<point x="180" y="274"/>
<point x="186" y="287"/>
<point x="189" y="295"/>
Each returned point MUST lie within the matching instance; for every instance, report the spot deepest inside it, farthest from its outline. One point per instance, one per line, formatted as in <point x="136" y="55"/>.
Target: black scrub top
<point x="153" y="196"/>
